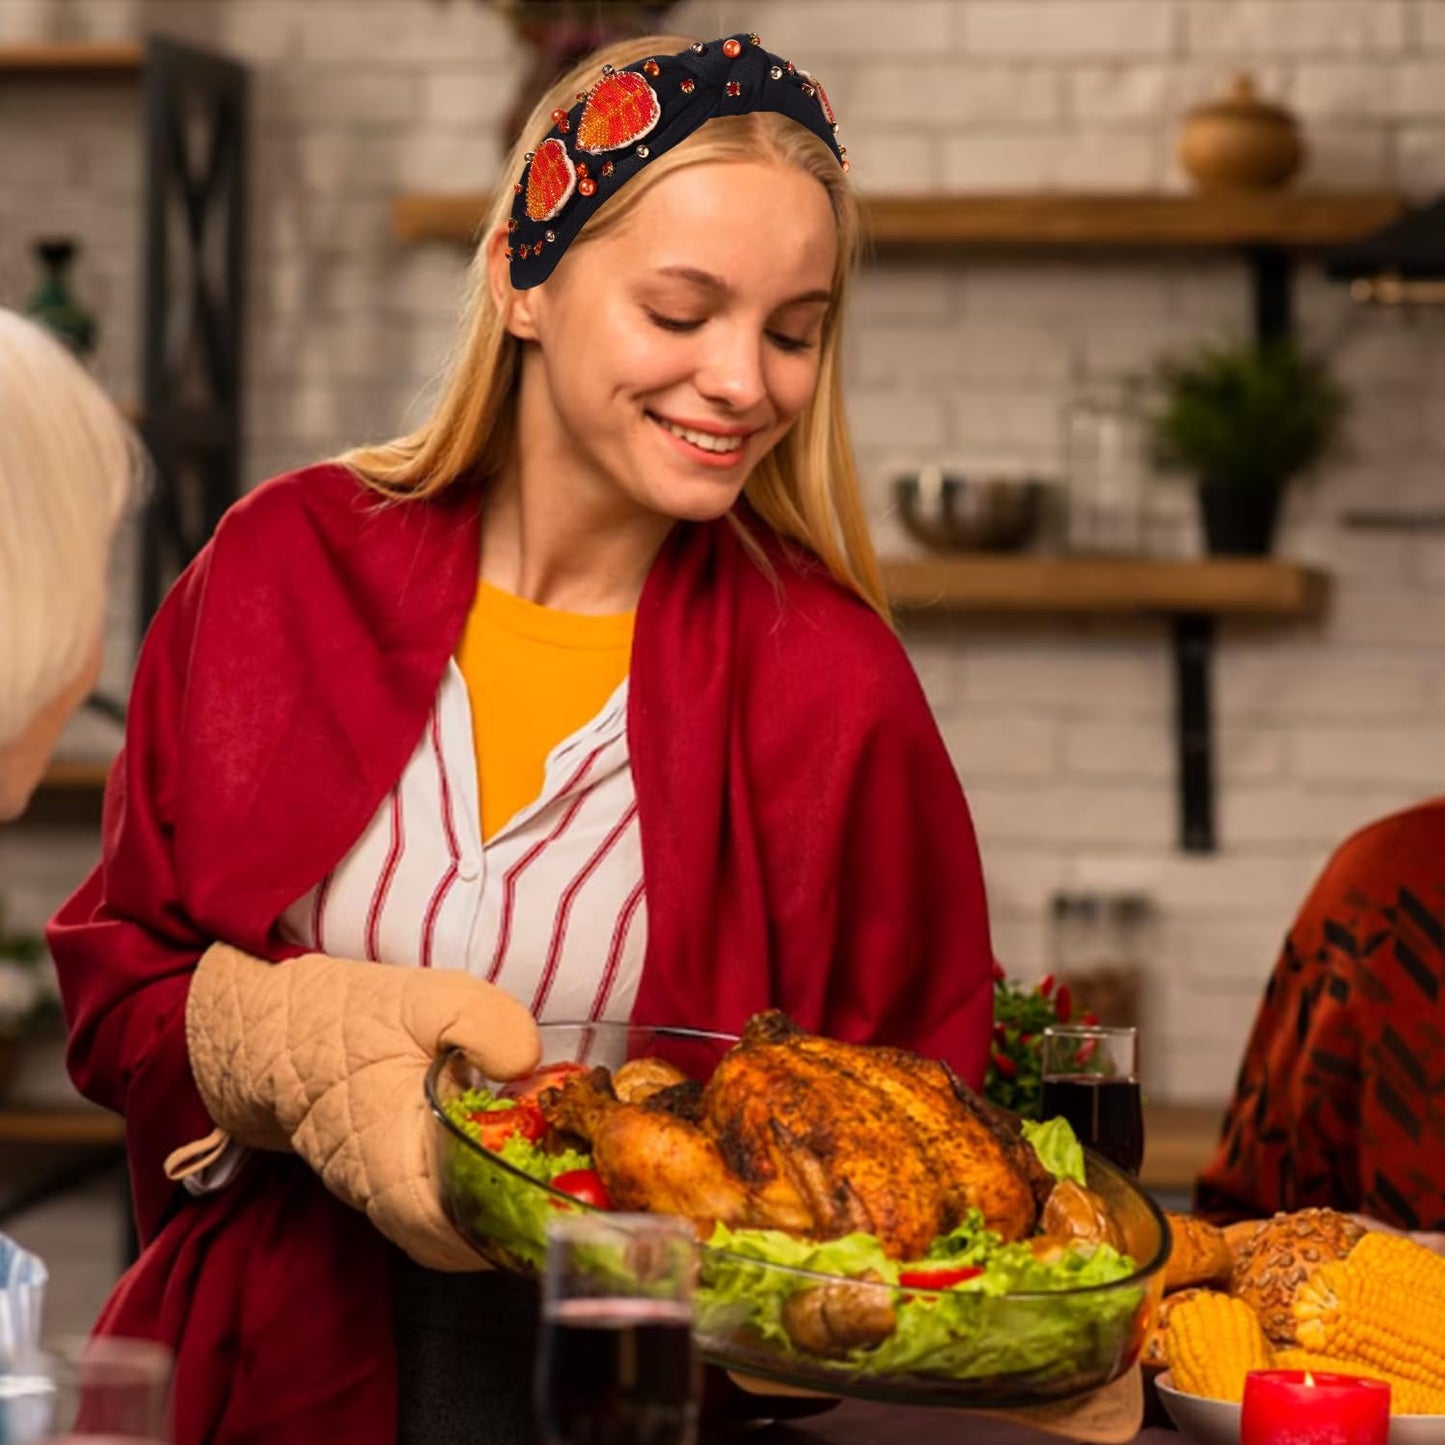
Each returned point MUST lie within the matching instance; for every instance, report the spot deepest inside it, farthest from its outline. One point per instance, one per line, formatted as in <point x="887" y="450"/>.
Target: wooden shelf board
<point x="1179" y="1140"/>
<point x="1048" y="585"/>
<point x="1287" y="219"/>
<point x="1293" y="220"/>
<point x="76" y="774"/>
<point x="118" y="58"/>
<point x="82" y="1124"/>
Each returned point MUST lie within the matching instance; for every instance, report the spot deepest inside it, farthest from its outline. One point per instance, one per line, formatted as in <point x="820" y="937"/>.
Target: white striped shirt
<point x="550" y="908"/>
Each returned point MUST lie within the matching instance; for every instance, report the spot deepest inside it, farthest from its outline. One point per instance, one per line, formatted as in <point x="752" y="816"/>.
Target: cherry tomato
<point x="944" y="1277"/>
<point x="496" y="1126"/>
<point x="584" y="1185"/>
<point x="531" y="1088"/>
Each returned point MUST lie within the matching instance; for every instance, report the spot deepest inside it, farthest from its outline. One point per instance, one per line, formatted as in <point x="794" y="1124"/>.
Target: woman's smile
<point x="710" y="446"/>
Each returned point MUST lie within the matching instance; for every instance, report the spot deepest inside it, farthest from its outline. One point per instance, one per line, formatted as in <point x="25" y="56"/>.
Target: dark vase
<point x="1239" y="521"/>
<point x="53" y="304"/>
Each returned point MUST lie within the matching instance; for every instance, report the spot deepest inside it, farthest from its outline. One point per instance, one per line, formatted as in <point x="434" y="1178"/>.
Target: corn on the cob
<point x="1214" y="1341"/>
<point x="1395" y="1256"/>
<point x="1407" y="1397"/>
<point x="1383" y="1305"/>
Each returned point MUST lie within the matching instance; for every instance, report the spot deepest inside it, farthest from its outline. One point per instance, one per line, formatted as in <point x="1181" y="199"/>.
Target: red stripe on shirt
<point x="509" y="879"/>
<point x="429" y="923"/>
<point x="614" y="953"/>
<point x="388" y="872"/>
<point x="453" y="847"/>
<point x="434" y="908"/>
<point x="564" y="907"/>
<point x="318" y="913"/>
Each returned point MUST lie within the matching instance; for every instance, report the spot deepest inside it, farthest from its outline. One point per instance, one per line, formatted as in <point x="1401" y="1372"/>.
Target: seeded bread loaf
<point x="1281" y="1255"/>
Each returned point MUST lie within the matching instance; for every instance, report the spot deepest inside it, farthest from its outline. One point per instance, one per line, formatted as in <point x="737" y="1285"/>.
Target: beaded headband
<point x="635" y="114"/>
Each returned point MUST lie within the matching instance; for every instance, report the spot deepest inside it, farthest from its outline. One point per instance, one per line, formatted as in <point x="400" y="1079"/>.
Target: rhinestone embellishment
<point x="643" y="152"/>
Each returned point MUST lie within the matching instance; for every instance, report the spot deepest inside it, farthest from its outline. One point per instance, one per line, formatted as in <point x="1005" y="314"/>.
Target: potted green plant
<point x="1245" y="419"/>
<point x="1021" y="1012"/>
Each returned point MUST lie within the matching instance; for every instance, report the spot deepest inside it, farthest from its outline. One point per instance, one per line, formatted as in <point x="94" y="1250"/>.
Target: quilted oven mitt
<point x="326" y="1056"/>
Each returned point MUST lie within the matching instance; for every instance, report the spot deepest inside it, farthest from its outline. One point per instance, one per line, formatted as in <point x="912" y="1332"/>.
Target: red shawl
<point x="805" y="844"/>
<point x="1341" y="1097"/>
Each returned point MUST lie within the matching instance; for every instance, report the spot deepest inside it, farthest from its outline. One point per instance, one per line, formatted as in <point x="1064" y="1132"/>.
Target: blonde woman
<point x="69" y="465"/>
<point x="580" y="702"/>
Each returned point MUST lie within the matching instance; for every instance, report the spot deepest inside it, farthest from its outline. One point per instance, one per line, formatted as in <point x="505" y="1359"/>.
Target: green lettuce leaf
<point x="1058" y="1147"/>
<point x="975" y="1330"/>
<point x="498" y="1206"/>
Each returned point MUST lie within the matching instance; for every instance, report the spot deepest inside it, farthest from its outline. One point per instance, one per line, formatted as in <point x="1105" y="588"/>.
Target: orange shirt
<point x="534" y="676"/>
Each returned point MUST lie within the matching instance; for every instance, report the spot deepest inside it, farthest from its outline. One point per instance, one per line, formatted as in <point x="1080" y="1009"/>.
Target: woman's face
<point x="674" y="351"/>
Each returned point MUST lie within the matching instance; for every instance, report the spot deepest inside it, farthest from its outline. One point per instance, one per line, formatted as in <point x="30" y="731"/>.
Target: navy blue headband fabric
<point x="632" y="115"/>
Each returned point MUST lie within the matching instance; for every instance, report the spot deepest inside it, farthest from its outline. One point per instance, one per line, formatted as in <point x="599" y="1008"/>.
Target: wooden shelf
<point x="1049" y="585"/>
<point x="121" y="58"/>
<point x="1291" y="220"/>
<point x="1139" y="222"/>
<point x="1179" y="1140"/>
<point x="82" y="1124"/>
<point x="76" y="775"/>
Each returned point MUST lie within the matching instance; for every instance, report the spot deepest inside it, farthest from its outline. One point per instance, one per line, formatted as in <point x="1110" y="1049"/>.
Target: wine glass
<point x="616" y="1364"/>
<point x="107" y="1390"/>
<point x="1091" y="1078"/>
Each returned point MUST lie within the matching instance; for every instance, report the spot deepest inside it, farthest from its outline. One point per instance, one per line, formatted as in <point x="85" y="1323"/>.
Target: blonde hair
<point x="806" y="489"/>
<point x="69" y="465"/>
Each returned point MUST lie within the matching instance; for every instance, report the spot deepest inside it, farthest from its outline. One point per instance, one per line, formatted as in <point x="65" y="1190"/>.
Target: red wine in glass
<point x="617" y="1372"/>
<point x="1106" y="1114"/>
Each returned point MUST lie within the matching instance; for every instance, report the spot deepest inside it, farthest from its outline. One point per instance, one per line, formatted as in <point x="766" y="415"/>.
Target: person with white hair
<point x="69" y="467"/>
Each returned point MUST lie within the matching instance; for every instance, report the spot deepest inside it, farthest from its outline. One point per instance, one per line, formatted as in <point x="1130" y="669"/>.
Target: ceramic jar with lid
<point x="1240" y="142"/>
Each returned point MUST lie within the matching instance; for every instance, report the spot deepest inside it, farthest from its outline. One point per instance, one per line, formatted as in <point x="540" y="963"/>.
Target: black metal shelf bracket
<point x="1193" y="653"/>
<point x="195" y="226"/>
<point x="1272" y="295"/>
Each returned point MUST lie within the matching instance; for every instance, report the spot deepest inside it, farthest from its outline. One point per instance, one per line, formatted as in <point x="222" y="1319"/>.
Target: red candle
<point x="1299" y="1407"/>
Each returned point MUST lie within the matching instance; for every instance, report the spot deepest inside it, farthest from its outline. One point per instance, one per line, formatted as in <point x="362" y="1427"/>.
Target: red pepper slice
<point x="496" y="1126"/>
<point x="944" y="1277"/>
<point x="1005" y="1065"/>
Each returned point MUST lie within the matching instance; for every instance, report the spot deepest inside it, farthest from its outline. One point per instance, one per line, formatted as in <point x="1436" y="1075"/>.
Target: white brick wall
<point x="1062" y="730"/>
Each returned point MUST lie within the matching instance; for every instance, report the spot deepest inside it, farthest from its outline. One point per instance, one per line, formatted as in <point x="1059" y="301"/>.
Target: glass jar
<point x="1105" y="469"/>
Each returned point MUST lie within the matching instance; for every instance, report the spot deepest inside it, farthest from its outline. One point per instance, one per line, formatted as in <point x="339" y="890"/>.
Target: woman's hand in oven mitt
<point x="327" y="1056"/>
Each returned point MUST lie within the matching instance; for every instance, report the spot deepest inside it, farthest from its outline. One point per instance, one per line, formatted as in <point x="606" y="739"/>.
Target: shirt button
<point x="468" y="869"/>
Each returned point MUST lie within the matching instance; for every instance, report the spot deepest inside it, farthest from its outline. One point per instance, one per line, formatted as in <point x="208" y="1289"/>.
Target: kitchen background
<point x="1061" y="724"/>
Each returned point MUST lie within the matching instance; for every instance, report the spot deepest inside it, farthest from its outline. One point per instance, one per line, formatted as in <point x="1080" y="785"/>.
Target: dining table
<point x="866" y="1422"/>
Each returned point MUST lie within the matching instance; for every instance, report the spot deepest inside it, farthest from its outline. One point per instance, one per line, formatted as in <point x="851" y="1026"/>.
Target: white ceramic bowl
<point x="1216" y="1422"/>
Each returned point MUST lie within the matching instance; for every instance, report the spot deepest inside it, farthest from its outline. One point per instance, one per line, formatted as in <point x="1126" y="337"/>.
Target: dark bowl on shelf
<point x="1091" y="1335"/>
<point x="948" y="512"/>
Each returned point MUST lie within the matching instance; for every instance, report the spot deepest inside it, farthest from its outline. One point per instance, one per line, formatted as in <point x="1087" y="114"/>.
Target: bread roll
<point x="1200" y="1255"/>
<point x="1281" y="1255"/>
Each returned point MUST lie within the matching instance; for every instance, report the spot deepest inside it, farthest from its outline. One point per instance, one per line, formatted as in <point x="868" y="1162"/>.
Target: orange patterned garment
<point x="1341" y="1097"/>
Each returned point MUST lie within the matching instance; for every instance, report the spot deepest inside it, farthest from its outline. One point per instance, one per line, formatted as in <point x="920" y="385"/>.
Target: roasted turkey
<point x="818" y="1138"/>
